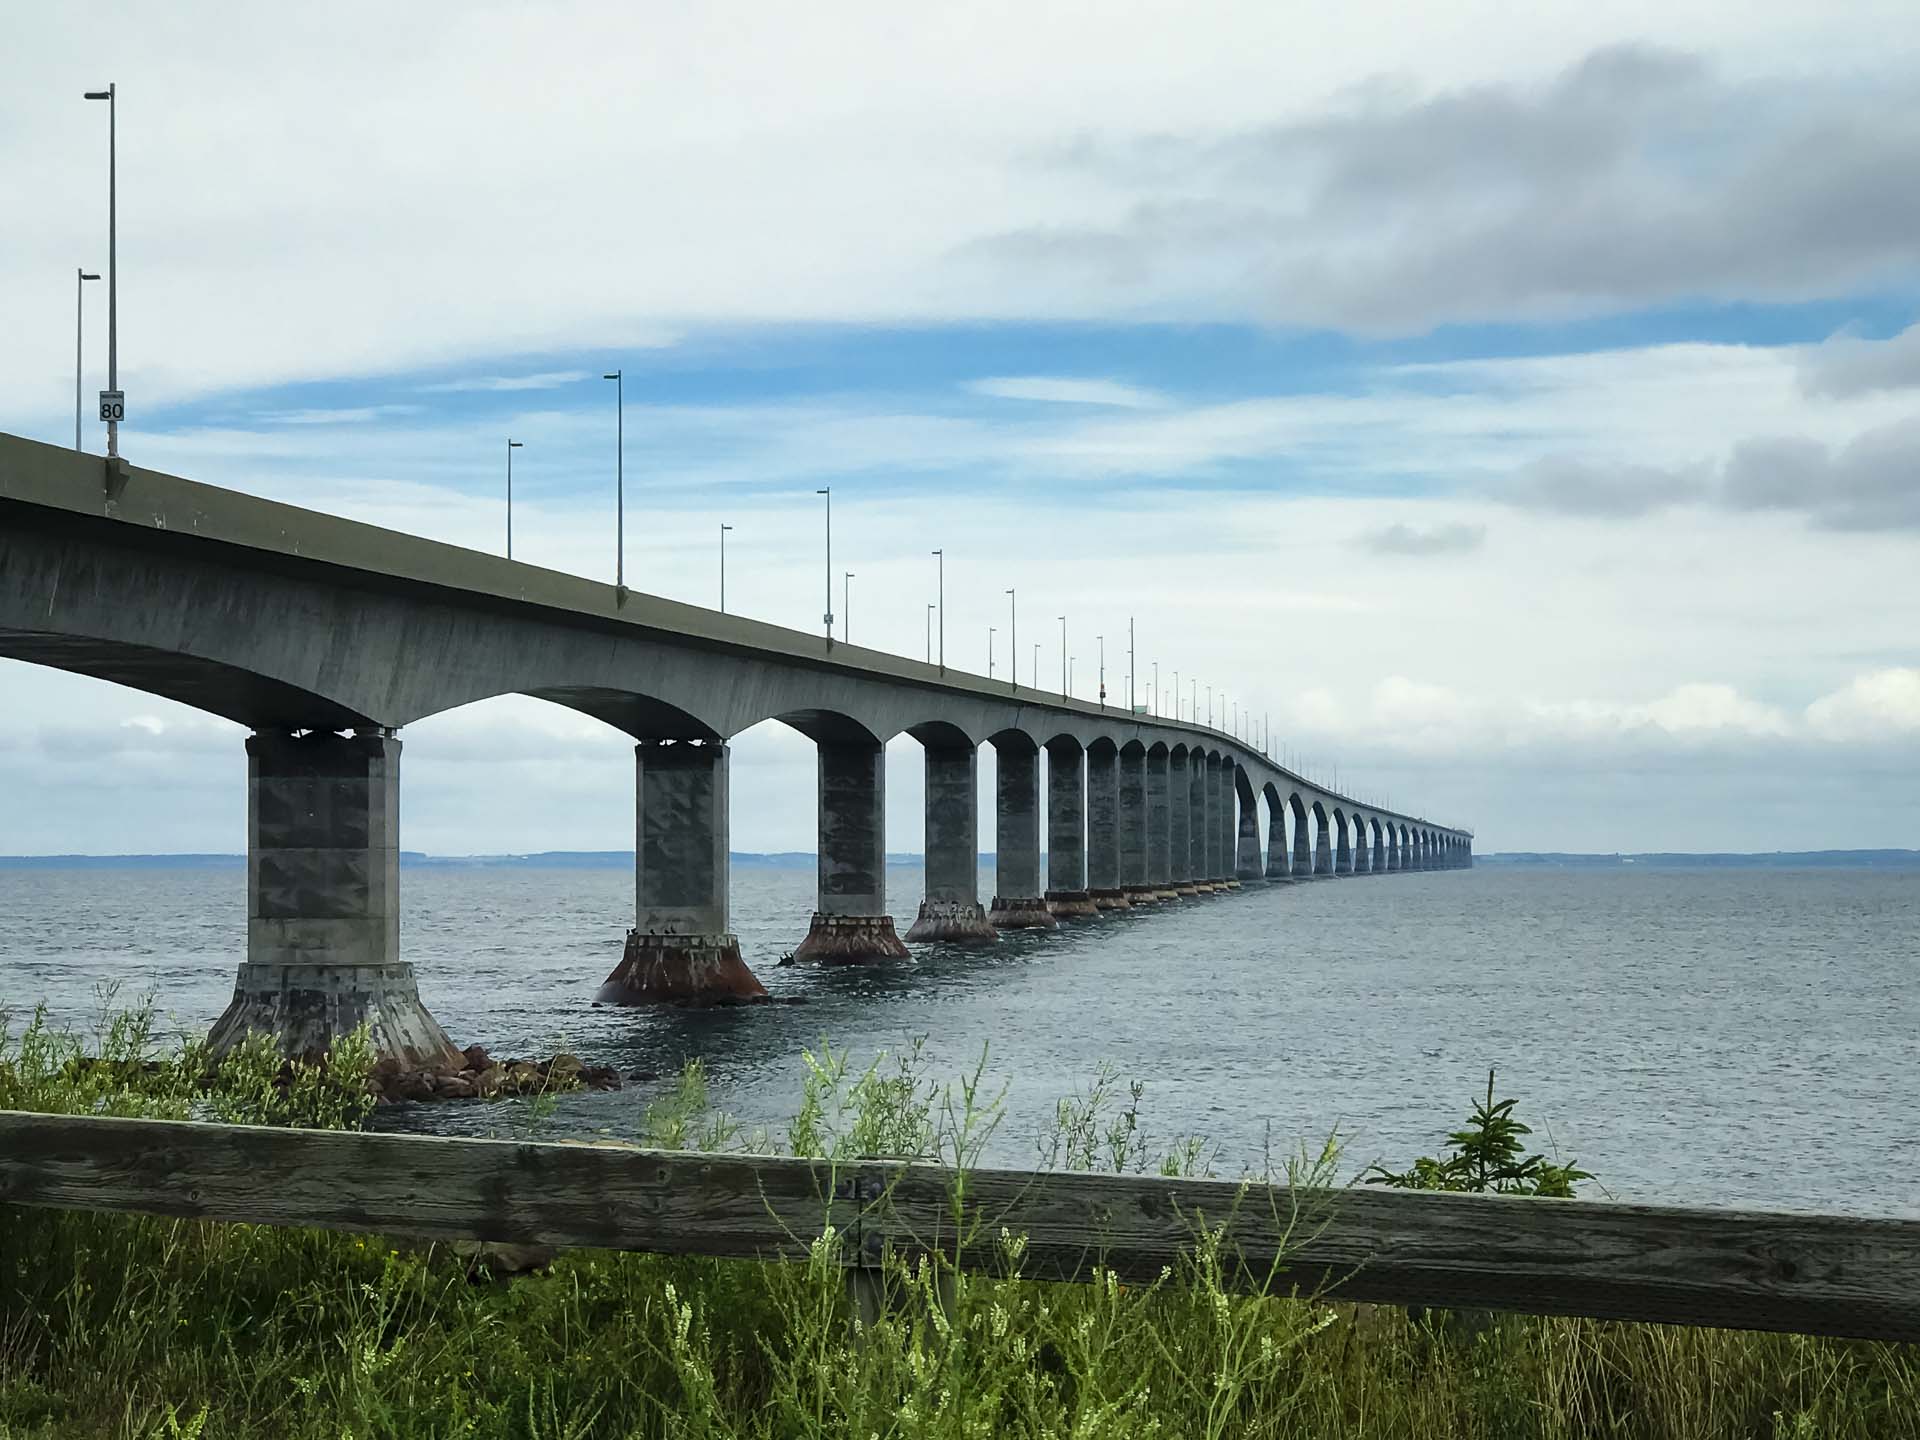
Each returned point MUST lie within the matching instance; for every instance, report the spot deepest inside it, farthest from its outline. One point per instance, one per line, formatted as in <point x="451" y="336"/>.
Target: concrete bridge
<point x="325" y="637"/>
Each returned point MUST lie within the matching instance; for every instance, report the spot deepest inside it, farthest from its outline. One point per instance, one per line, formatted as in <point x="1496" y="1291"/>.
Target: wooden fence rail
<point x="1810" y="1274"/>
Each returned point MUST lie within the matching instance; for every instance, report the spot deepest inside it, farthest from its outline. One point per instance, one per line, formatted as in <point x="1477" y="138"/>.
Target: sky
<point x="1516" y="408"/>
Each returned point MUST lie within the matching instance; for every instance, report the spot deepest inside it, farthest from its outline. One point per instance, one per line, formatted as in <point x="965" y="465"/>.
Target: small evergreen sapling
<point x="1487" y="1156"/>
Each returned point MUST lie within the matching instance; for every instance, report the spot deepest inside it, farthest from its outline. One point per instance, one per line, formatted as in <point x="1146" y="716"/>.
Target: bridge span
<point x="325" y="637"/>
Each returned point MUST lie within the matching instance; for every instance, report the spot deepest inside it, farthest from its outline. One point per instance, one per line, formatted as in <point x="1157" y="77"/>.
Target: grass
<point x="132" y="1327"/>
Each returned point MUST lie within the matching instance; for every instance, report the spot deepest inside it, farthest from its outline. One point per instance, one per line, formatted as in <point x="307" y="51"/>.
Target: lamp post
<point x="723" y="567"/>
<point x="1065" y="685"/>
<point x="512" y="445"/>
<point x="1133" y="688"/>
<point x="990" y="630"/>
<point x="1013" y="638"/>
<point x="1101" y="641"/>
<point x="1156" y="687"/>
<point x="1193" y="707"/>
<point x="79" y="330"/>
<point x="1176" y="695"/>
<point x="828" y="617"/>
<point x="1209" y="707"/>
<point x="1036" y="664"/>
<point x="846" y="604"/>
<point x="110" y="95"/>
<point x="620" y="480"/>
<point x="941" y="595"/>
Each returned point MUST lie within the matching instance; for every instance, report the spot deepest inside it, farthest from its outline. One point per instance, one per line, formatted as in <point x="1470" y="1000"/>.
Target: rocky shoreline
<point x="479" y="1076"/>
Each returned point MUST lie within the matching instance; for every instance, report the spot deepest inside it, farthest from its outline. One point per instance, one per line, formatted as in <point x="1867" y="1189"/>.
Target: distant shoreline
<point x="805" y="860"/>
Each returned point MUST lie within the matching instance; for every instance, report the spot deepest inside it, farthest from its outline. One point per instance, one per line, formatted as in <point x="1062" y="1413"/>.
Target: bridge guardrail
<point x="1808" y="1274"/>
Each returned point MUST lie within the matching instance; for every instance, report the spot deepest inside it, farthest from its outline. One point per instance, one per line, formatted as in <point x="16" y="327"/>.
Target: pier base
<point x="681" y="970"/>
<point x="1112" y="899"/>
<point x="850" y="940"/>
<point x="954" y="922"/>
<point x="305" y="1008"/>
<point x="1021" y="913"/>
<point x="1071" y="904"/>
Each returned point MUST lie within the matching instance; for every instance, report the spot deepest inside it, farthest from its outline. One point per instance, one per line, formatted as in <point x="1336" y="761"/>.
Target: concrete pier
<point x="1103" y="826"/>
<point x="1342" y="844"/>
<point x="1018" y="901"/>
<point x="1066" y="893"/>
<point x="1248" y="862"/>
<point x="1322" y="844"/>
<point x="1132" y="810"/>
<point x="323" y="902"/>
<point x="1225" y="828"/>
<point x="1159" y="884"/>
<point x="1199" y="824"/>
<point x="681" y="949"/>
<point x="850" y="921"/>
<point x="1278" y="867"/>
<point x="1180" y="820"/>
<point x="951" y="911"/>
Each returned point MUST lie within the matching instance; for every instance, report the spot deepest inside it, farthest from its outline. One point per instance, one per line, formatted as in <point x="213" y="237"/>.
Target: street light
<point x="828" y="617"/>
<point x="1101" y="640"/>
<point x="620" y="480"/>
<point x="990" y="630"/>
<point x="723" y="567"/>
<point x="1156" y="687"/>
<point x="110" y="95"/>
<point x="512" y="445"/>
<point x="941" y="593"/>
<point x="79" y="330"/>
<point x="1013" y="638"/>
<point x="1036" y="664"/>
<point x="1064" y="686"/>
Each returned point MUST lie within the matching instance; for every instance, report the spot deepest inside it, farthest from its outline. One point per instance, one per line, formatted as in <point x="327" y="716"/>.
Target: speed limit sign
<point x="113" y="405"/>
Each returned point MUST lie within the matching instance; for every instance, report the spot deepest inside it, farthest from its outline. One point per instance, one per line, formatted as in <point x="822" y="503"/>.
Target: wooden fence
<point x="1810" y="1274"/>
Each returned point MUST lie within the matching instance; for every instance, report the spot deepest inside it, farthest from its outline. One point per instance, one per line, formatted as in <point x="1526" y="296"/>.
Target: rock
<point x="643" y="1075"/>
<point x="476" y="1057"/>
<point x="489" y="1082"/>
<point x="600" y="1077"/>
<point x="454" y="1087"/>
<point x="523" y="1075"/>
<point x="415" y="1085"/>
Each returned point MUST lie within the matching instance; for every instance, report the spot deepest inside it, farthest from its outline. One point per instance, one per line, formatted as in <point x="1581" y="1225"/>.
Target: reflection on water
<point x="1718" y="1037"/>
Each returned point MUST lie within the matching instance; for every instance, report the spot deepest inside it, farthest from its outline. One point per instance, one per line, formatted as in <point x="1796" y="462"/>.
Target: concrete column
<point x="1159" y="885"/>
<point x="1362" y="848"/>
<point x="1103" y="828"/>
<point x="323" y="902"/>
<point x="1067" y="830"/>
<point x="1018" y="902"/>
<point x="850" y="920"/>
<point x="1133" y="823"/>
<point x="1199" y="865"/>
<point x="1466" y="854"/>
<point x="1343" y="845"/>
<point x="951" y="910"/>
<point x="1250" y="865"/>
<point x="1322" y="845"/>
<point x="1277" y="866"/>
<point x="1302" y="843"/>
<point x="681" y="949"/>
<point x="1180" y="821"/>
<point x="1226" y="827"/>
<point x="1380" y="850"/>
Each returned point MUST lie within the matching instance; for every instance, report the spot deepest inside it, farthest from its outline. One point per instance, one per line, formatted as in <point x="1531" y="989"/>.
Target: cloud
<point x="1061" y="391"/>
<point x="1427" y="540"/>
<point x="1624" y="182"/>
<point x="346" y="415"/>
<point x="1871" y="483"/>
<point x="1568" y="486"/>
<point x="545" y="380"/>
<point x="1885" y="702"/>
<point x="1847" y="365"/>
